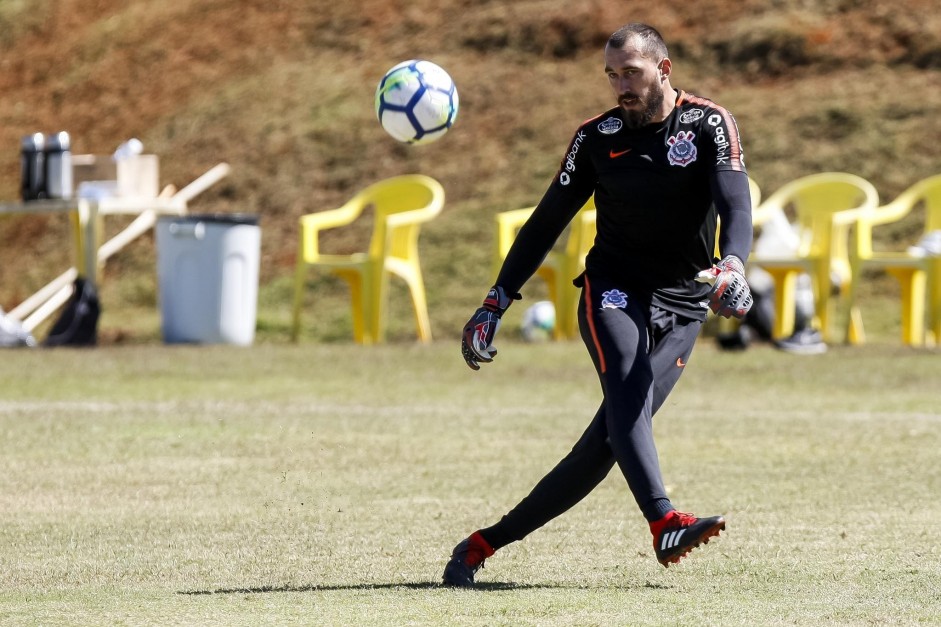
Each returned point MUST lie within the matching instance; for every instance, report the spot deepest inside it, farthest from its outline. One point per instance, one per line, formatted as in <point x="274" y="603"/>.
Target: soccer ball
<point x="416" y="102"/>
<point x="538" y="321"/>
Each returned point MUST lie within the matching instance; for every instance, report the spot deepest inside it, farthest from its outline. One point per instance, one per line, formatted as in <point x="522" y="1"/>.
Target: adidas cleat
<point x="466" y="559"/>
<point x="676" y="534"/>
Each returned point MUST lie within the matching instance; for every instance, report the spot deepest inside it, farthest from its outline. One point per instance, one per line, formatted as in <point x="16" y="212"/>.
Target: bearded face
<point x="639" y="81"/>
<point x="639" y="109"/>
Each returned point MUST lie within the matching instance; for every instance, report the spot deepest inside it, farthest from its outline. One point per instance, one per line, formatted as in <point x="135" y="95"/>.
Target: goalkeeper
<point x="661" y="165"/>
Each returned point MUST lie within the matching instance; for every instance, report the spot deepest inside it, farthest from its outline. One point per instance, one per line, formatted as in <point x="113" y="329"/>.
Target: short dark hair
<point x="650" y="42"/>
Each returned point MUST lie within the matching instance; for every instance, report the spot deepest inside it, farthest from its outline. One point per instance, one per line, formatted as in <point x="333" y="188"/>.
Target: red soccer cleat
<point x="676" y="534"/>
<point x="466" y="559"/>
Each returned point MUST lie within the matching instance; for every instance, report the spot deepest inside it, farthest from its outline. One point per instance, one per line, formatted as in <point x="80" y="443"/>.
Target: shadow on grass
<point x="420" y="585"/>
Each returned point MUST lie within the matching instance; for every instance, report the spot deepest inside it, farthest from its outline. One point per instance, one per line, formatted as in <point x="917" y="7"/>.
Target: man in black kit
<point x="661" y="165"/>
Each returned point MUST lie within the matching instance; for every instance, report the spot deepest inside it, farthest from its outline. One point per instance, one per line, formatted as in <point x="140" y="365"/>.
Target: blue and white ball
<point x="416" y="102"/>
<point x="538" y="322"/>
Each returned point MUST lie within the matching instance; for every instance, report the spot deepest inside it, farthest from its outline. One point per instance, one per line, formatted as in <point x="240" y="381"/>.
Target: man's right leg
<point x="573" y="478"/>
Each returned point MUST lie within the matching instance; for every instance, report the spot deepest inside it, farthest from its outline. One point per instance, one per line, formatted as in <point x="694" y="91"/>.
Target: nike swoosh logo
<point x="680" y="363"/>
<point x="615" y="154"/>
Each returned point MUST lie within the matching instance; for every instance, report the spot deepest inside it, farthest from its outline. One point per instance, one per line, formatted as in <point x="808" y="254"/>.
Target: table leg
<point x="87" y="259"/>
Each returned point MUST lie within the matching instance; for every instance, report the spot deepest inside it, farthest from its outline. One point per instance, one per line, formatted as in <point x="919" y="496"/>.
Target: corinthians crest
<point x="614" y="299"/>
<point x="682" y="149"/>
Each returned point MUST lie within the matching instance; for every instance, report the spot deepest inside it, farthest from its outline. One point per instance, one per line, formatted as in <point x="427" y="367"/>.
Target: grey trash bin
<point x="207" y="275"/>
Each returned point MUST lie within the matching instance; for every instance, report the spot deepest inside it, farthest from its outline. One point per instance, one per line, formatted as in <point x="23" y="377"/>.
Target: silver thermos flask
<point x="58" y="160"/>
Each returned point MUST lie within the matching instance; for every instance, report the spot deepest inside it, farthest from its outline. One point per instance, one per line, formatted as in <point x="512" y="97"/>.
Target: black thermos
<point x="33" y="170"/>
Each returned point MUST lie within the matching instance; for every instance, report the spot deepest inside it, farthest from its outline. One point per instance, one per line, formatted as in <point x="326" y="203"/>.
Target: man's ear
<point x="665" y="67"/>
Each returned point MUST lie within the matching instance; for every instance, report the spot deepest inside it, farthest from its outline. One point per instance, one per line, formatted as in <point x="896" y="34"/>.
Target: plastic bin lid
<point x="224" y="218"/>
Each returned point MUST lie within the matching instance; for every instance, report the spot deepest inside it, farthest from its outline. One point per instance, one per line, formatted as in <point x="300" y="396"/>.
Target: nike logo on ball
<point x="615" y="154"/>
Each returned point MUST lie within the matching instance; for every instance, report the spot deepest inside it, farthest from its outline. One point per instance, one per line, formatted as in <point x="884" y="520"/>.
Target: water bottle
<point x="32" y="170"/>
<point x="58" y="157"/>
<point x="128" y="167"/>
<point x="130" y="148"/>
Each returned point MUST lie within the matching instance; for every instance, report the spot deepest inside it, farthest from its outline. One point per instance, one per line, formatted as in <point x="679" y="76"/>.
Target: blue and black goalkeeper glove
<point x="477" y="341"/>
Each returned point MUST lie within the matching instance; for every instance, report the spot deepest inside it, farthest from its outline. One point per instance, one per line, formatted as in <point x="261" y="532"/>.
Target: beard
<point x="651" y="106"/>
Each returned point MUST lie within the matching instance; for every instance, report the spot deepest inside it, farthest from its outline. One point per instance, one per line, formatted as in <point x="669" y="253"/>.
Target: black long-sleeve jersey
<point x="658" y="190"/>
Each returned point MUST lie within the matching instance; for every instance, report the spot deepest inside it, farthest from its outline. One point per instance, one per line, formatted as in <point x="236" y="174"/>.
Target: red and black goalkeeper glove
<point x="730" y="295"/>
<point x="477" y="341"/>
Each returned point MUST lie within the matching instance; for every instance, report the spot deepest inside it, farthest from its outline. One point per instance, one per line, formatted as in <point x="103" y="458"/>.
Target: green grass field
<point x="326" y="484"/>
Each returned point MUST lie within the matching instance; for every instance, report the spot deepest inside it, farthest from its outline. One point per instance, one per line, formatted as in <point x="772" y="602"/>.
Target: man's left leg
<point x="674" y="336"/>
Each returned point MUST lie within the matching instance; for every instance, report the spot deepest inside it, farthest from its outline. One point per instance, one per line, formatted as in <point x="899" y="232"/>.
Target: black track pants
<point x="639" y="352"/>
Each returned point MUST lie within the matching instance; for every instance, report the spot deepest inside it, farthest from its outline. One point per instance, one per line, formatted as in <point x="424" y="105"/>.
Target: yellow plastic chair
<point x="560" y="267"/>
<point x="755" y="191"/>
<point x="826" y="205"/>
<point x="919" y="275"/>
<point x="401" y="205"/>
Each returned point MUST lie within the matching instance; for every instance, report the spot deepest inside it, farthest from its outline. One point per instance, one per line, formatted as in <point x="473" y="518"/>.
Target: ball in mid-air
<point x="416" y="102"/>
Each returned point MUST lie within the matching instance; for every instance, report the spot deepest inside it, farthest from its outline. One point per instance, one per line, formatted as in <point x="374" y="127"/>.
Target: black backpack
<point x="78" y="323"/>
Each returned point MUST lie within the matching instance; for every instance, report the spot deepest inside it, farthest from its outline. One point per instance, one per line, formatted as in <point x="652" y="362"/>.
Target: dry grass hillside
<point x="283" y="91"/>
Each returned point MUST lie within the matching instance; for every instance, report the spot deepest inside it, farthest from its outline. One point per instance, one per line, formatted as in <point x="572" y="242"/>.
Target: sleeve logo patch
<point x="682" y="149"/>
<point x="691" y="116"/>
<point x="610" y="126"/>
